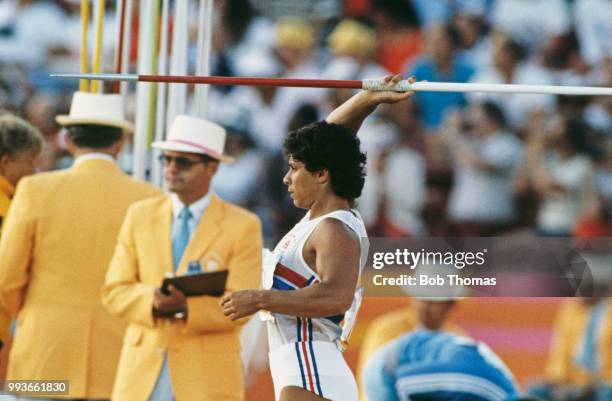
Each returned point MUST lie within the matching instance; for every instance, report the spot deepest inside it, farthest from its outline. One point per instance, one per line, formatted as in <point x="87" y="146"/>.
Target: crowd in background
<point x="445" y="164"/>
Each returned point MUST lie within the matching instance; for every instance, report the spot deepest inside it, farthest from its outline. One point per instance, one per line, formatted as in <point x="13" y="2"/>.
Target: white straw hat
<point x="96" y="109"/>
<point x="196" y="135"/>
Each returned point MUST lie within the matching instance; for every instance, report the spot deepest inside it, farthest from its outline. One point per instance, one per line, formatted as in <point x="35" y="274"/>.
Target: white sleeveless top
<point x="286" y="270"/>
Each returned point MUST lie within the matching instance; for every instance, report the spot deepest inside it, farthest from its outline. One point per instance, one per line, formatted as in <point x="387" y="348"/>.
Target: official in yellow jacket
<point x="177" y="347"/>
<point x="55" y="249"/>
<point x="20" y="147"/>
<point x="580" y="358"/>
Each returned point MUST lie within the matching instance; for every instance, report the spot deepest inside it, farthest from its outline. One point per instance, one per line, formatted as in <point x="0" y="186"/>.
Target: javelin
<point x="367" y="84"/>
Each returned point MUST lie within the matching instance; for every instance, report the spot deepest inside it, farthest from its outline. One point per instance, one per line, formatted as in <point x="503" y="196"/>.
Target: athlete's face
<point x="301" y="184"/>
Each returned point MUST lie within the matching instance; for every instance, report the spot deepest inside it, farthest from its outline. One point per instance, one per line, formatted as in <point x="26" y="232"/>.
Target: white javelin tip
<point x="100" y="77"/>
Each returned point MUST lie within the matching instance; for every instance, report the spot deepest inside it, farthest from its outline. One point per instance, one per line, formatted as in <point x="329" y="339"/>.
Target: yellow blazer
<point x="6" y="193"/>
<point x="204" y="352"/>
<point x="55" y="248"/>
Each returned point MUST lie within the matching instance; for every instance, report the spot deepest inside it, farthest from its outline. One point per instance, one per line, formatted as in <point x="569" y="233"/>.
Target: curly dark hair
<point x="322" y="145"/>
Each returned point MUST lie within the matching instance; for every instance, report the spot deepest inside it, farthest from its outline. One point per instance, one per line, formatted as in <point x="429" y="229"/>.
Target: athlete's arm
<point x="351" y="113"/>
<point x="334" y="248"/>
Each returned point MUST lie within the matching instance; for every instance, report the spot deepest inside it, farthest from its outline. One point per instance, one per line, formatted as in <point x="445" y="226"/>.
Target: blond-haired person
<point x="20" y="147"/>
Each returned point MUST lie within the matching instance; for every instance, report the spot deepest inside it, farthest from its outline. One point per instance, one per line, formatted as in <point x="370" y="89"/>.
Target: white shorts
<point x="316" y="366"/>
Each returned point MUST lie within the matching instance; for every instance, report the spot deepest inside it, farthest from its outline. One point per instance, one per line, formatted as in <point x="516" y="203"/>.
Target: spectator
<point x="399" y="38"/>
<point x="436" y="366"/>
<point x="295" y="45"/>
<point x="316" y="10"/>
<point x="354" y="44"/>
<point x="561" y="174"/>
<point x="598" y="113"/>
<point x="507" y="67"/>
<point x="593" y="20"/>
<point x="440" y="64"/>
<point x="394" y="192"/>
<point x="238" y="182"/>
<point x="265" y="108"/>
<point x="295" y="40"/>
<point x="579" y="355"/>
<point x="40" y="110"/>
<point x="269" y="109"/>
<point x="532" y="22"/>
<point x="28" y="31"/>
<point x="599" y="222"/>
<point x="474" y="42"/>
<point x="441" y="11"/>
<point x="14" y="87"/>
<point x="238" y="30"/>
<point x="563" y="60"/>
<point x="422" y="314"/>
<point x="481" y="201"/>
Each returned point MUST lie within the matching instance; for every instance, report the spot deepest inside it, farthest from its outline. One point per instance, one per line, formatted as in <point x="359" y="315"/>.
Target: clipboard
<point x="193" y="285"/>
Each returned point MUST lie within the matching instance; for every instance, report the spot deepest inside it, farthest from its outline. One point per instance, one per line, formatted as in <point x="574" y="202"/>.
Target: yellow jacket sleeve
<point x="123" y="295"/>
<point x="16" y="246"/>
<point x="557" y="366"/>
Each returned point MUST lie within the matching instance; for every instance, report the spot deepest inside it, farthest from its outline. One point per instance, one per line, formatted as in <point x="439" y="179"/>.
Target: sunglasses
<point x="182" y="163"/>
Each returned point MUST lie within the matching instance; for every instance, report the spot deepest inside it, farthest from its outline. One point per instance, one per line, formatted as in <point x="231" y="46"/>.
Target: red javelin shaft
<point x="250" y="81"/>
<point x="247" y="81"/>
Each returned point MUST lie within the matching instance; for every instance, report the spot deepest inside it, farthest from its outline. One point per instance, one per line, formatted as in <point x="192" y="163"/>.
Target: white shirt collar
<point x="197" y="208"/>
<point x="94" y="155"/>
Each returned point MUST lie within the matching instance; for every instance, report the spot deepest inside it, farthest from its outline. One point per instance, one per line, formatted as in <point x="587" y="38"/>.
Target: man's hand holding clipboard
<point x="193" y="285"/>
<point x="170" y="300"/>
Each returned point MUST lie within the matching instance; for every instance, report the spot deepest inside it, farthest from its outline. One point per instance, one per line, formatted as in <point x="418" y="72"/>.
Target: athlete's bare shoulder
<point x="334" y="230"/>
<point x="331" y="240"/>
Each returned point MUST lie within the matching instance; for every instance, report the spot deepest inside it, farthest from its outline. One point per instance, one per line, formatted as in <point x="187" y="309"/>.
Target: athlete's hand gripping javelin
<point x="352" y="112"/>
